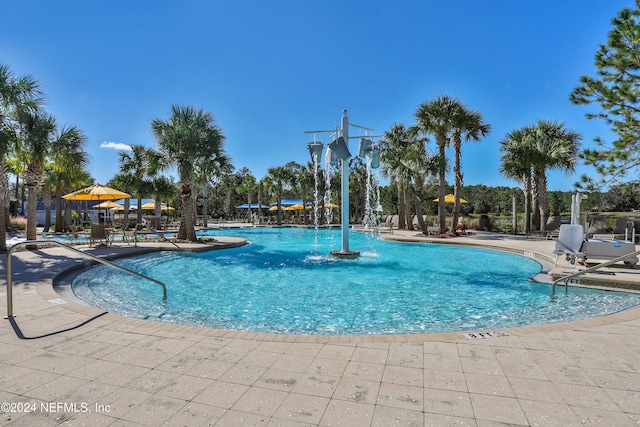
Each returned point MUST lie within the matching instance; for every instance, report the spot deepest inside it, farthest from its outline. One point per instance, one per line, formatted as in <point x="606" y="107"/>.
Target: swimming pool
<point x="286" y="282"/>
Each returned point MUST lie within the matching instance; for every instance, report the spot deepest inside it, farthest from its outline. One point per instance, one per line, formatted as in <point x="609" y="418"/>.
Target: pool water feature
<point x="285" y="281"/>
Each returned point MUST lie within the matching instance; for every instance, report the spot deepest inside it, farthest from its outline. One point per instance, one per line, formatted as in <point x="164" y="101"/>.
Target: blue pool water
<point x="286" y="282"/>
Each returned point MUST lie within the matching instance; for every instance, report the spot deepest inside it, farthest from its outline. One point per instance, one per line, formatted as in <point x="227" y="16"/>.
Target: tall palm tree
<point x="138" y="164"/>
<point x="393" y="147"/>
<point x="123" y="182"/>
<point x="16" y="94"/>
<point x="437" y="118"/>
<point x="279" y="177"/>
<point x="69" y="161"/>
<point x="248" y="186"/>
<point x="554" y="147"/>
<point x="163" y="189"/>
<point x="189" y="135"/>
<point x="516" y="165"/>
<point x="36" y="137"/>
<point x="207" y="170"/>
<point x="468" y="125"/>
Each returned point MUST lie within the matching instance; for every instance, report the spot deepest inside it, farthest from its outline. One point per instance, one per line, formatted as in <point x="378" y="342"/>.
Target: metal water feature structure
<point x="339" y="150"/>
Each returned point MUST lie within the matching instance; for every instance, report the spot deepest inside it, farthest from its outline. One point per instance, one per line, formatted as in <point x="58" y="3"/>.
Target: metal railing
<point x="589" y="270"/>
<point x="53" y="242"/>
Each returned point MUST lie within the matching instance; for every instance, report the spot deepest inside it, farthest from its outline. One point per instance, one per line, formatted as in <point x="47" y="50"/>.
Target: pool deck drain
<point x="64" y="358"/>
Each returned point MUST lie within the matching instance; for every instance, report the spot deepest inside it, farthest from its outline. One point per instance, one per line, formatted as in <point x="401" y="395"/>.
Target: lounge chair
<point x="599" y="227"/>
<point x="550" y="229"/>
<point x="624" y="229"/>
<point x="99" y="234"/>
<point x="570" y="244"/>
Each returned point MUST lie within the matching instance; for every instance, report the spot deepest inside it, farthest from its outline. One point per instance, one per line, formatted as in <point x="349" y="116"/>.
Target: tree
<point x="393" y="148"/>
<point x="36" y="139"/>
<point x="616" y="90"/>
<point x="516" y="165"/>
<point x="69" y="162"/>
<point x="162" y="188"/>
<point x="468" y="125"/>
<point x="187" y="137"/>
<point x="248" y="186"/>
<point x="404" y="159"/>
<point x="17" y="94"/>
<point x="437" y="118"/>
<point x="530" y="151"/>
<point x="138" y="164"/>
<point x="279" y="177"/>
<point x="554" y="147"/>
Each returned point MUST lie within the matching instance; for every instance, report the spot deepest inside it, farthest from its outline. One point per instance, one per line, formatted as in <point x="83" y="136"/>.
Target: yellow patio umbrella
<point x="450" y="198"/>
<point x="109" y="205"/>
<point x="299" y="207"/>
<point x="97" y="192"/>
<point x="152" y="205"/>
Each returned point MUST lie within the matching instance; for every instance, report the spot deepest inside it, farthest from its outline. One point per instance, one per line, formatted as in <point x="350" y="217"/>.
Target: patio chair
<point x="551" y="228"/>
<point x="99" y="234"/>
<point x="569" y="243"/>
<point x="599" y="227"/>
<point x="624" y="229"/>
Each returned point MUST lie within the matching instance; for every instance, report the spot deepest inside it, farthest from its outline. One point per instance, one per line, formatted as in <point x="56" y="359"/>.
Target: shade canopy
<point x="152" y="205"/>
<point x="450" y="198"/>
<point x="109" y="205"/>
<point x="252" y="206"/>
<point x="298" y="207"/>
<point x="97" y="192"/>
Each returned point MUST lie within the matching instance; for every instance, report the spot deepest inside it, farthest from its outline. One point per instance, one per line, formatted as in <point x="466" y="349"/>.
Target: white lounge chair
<point x="570" y="244"/>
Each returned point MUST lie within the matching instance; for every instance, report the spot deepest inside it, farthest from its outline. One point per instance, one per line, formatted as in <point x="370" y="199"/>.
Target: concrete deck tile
<point x="447" y="402"/>
<point x="345" y="413"/>
<point x="385" y="416"/>
<point x="302" y="408"/>
<point x="357" y="390"/>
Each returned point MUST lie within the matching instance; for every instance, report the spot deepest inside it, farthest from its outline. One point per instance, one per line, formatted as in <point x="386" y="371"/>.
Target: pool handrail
<point x="566" y="279"/>
<point x="53" y="242"/>
<point x="161" y="234"/>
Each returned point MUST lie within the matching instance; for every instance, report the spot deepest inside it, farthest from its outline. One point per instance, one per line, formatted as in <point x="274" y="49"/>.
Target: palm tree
<point x="516" y="165"/>
<point x="279" y="177"/>
<point x="248" y="186"/>
<point x="136" y="163"/>
<point x="468" y="125"/>
<point x="206" y="171"/>
<point x="188" y="136"/>
<point x="69" y="161"/>
<point x="16" y="94"/>
<point x="437" y="118"/>
<point x="393" y="147"/>
<point x="554" y="147"/>
<point x="123" y="182"/>
<point x="36" y="138"/>
<point x="163" y="188"/>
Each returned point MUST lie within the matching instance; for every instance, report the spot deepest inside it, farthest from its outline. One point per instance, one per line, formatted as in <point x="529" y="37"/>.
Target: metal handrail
<point x="94" y="258"/>
<point x="162" y="236"/>
<point x="590" y="269"/>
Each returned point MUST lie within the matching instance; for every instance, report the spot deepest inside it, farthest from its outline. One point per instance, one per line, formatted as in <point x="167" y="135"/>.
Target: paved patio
<point x="62" y="363"/>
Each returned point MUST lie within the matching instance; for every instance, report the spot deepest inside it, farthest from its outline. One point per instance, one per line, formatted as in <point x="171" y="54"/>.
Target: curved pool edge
<point x="47" y="289"/>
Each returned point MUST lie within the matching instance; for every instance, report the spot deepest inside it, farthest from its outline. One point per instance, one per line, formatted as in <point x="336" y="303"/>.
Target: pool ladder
<point x="53" y="242"/>
<point x="588" y="270"/>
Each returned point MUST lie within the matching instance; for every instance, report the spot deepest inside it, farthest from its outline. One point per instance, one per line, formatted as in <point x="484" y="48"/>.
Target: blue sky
<point x="268" y="71"/>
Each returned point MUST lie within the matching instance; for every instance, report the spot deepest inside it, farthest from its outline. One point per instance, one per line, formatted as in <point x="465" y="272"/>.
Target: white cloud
<point x="116" y="146"/>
